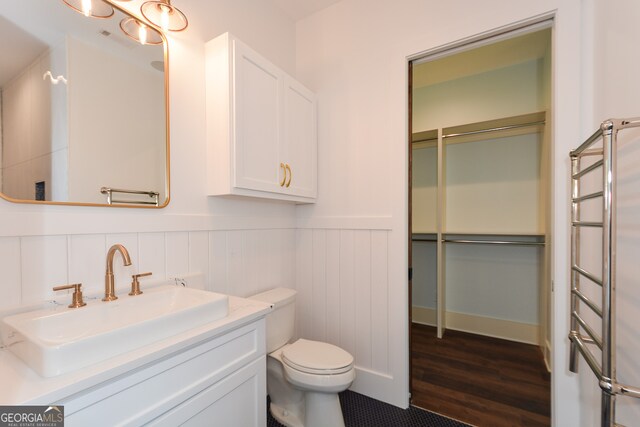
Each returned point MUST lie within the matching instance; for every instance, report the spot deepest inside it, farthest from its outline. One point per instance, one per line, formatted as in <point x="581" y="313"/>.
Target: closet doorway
<point x="480" y="209"/>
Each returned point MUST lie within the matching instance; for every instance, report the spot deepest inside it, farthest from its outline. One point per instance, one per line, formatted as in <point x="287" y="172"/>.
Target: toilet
<point x="303" y="377"/>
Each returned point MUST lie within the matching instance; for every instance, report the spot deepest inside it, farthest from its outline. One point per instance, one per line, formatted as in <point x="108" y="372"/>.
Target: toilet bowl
<point x="303" y="377"/>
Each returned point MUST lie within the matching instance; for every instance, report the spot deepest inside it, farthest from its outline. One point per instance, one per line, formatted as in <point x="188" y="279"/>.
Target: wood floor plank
<point x="480" y="380"/>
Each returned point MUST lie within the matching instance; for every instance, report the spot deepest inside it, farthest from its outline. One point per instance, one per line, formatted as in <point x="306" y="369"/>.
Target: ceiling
<point x="299" y="9"/>
<point x="486" y="58"/>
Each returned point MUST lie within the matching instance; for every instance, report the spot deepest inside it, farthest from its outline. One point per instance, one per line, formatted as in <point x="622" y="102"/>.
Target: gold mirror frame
<point x="165" y="45"/>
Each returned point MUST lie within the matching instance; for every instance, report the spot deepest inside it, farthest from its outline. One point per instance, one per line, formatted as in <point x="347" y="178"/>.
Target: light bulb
<point x="164" y="18"/>
<point x="86" y="7"/>
<point x="142" y="34"/>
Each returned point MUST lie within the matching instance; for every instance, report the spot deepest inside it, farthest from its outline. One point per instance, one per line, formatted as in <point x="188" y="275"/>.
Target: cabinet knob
<point x="288" y="168"/>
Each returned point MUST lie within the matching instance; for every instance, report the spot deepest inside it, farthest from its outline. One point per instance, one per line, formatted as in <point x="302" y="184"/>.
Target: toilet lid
<point x="316" y="357"/>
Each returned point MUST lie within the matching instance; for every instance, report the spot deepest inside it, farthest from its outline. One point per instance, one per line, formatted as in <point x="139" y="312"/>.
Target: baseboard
<point x="498" y="328"/>
<point x="376" y="385"/>
<point x="423" y="315"/>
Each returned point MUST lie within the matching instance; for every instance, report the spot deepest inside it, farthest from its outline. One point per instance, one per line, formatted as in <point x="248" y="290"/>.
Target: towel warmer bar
<point x="153" y="195"/>
<point x="606" y="343"/>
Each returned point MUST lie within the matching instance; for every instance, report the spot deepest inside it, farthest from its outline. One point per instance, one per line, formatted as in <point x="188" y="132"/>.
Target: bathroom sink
<point x="57" y="340"/>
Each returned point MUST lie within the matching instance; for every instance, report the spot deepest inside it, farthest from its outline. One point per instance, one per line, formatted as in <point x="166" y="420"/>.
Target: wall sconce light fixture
<point x="159" y="13"/>
<point x="140" y="32"/>
<point x="163" y="14"/>
<point x="90" y="8"/>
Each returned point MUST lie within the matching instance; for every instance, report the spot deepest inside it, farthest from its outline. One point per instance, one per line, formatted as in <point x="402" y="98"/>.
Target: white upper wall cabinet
<point x="261" y="127"/>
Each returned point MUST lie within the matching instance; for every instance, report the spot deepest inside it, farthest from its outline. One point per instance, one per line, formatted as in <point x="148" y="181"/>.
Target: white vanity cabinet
<point x="261" y="126"/>
<point x="219" y="381"/>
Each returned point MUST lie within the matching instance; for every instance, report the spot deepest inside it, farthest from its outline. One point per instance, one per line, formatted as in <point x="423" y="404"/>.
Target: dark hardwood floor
<point x="487" y="382"/>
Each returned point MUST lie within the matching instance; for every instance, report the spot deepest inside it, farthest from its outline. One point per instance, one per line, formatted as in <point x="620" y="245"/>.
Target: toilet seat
<point x="318" y="358"/>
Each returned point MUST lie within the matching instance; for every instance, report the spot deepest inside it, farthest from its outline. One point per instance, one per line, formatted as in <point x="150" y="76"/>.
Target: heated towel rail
<point x="582" y="336"/>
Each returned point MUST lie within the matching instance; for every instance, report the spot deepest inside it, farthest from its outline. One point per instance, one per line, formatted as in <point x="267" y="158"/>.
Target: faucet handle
<point x="76" y="299"/>
<point x="135" y="285"/>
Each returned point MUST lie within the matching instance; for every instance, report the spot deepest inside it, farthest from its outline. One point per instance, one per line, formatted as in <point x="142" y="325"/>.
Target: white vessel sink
<point x="57" y="340"/>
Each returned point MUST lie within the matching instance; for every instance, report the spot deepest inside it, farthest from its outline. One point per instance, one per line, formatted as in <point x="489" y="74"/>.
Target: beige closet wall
<point x="502" y="92"/>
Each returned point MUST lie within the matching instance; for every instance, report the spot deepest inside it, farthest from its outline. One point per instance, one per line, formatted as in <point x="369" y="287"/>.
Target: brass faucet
<point x="109" y="283"/>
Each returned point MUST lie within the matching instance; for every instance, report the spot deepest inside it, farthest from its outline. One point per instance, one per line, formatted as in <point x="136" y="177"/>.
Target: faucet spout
<point x="109" y="282"/>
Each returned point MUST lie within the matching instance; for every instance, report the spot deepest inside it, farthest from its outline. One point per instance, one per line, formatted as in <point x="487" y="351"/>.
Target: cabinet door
<point x="239" y="400"/>
<point x="299" y="148"/>
<point x="256" y="94"/>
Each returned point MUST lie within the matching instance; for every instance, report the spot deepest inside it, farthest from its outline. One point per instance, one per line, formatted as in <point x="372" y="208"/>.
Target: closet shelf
<point x="507" y="126"/>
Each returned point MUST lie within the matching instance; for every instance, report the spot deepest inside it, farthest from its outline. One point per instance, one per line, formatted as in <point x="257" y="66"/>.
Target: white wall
<point x="354" y="55"/>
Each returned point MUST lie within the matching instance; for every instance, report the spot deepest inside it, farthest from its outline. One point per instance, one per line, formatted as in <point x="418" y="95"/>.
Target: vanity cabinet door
<point x="238" y="400"/>
<point x="257" y="87"/>
<point x="299" y="147"/>
<point x="227" y="368"/>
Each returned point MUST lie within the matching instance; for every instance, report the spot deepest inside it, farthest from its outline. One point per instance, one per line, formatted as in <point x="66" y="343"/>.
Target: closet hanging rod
<point x="480" y="131"/>
<point x="416" y="239"/>
<point x="496" y="129"/>
<point x="493" y="242"/>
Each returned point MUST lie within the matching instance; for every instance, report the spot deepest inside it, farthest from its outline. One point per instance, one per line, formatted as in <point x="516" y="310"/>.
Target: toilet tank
<point x="281" y="319"/>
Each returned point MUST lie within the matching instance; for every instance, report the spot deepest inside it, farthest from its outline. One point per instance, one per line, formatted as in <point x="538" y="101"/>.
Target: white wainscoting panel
<point x="379" y="301"/>
<point x="152" y="255"/>
<point x="43" y="266"/>
<point x="199" y="255"/>
<point x="319" y="286"/>
<point x="87" y="261"/>
<point x="342" y="283"/>
<point x="237" y="262"/>
<point x="10" y="289"/>
<point x="177" y="253"/>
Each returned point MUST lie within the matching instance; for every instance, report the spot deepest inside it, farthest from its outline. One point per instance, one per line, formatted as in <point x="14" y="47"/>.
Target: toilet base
<point x="323" y="409"/>
<point x="284" y="417"/>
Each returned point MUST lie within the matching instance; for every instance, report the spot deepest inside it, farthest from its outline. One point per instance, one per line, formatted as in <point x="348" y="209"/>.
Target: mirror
<point x="83" y="108"/>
